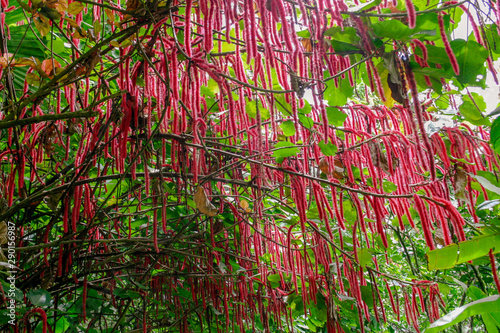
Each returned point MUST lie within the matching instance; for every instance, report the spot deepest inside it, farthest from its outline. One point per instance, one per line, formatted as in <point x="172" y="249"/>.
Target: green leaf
<point x="306" y="121"/>
<point x="426" y="27"/>
<point x="40" y="297"/>
<point x="274" y="278"/>
<point x="251" y="110"/>
<point x="442" y="258"/>
<point x="341" y="47"/>
<point x="350" y="212"/>
<point x="487" y="184"/>
<point x="478" y="247"/>
<point x="488" y="204"/>
<point x="455" y="254"/>
<point x="210" y="89"/>
<point x="367" y="295"/>
<point x="304" y="34"/>
<point x="392" y="29"/>
<point x="15" y="16"/>
<point x="306" y="109"/>
<point x="388" y="186"/>
<point x="471" y="113"/>
<point x="285" y="152"/>
<point x="364" y="257"/>
<point x="347" y="35"/>
<point x="335" y="116"/>
<point x="63" y="325"/>
<point x="24" y="42"/>
<point x="337" y="96"/>
<point x="495" y="135"/>
<point x="328" y="149"/>
<point x="127" y="293"/>
<point x="471" y="57"/>
<point x="479" y="307"/>
<point x="288" y="128"/>
<point x="491" y="320"/>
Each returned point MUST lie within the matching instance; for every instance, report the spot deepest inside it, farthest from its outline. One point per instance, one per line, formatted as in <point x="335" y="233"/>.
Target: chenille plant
<point x="249" y="166"/>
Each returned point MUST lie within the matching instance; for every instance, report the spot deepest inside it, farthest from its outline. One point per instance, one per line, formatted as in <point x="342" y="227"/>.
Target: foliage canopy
<point x="249" y="165"/>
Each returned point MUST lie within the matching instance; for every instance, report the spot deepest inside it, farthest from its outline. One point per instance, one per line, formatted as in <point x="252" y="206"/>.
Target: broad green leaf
<point x="337" y="96"/>
<point x="306" y="121"/>
<point x="304" y="34"/>
<point x="495" y="135"/>
<point x="285" y="152"/>
<point x="274" y="278"/>
<point x="470" y="112"/>
<point x="328" y="149"/>
<point x="346" y="35"/>
<point x="471" y="57"/>
<point x="392" y="29"/>
<point x="478" y="247"/>
<point x="367" y="295"/>
<point x="455" y="254"/>
<point x="491" y="320"/>
<point x="431" y="72"/>
<point x="488" y="204"/>
<point x="25" y="43"/>
<point x="210" y="89"/>
<point x="442" y="258"/>
<point x="15" y="16"/>
<point x="350" y="213"/>
<point x="40" y="297"/>
<point x="127" y="293"/>
<point x="487" y="184"/>
<point x="251" y="110"/>
<point x="483" y="306"/>
<point x="335" y="116"/>
<point x="427" y="27"/>
<point x="282" y="105"/>
<point x="288" y="128"/>
<point x="364" y="257"/>
<point x="388" y="186"/>
<point x="306" y="109"/>
<point x="63" y="325"/>
<point x="342" y="47"/>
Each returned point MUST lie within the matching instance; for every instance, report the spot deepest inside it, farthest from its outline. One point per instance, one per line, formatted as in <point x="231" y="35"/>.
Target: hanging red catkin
<point x="187" y="28"/>
<point x="284" y="24"/>
<point x="455" y="217"/>
<point x="420" y="118"/>
<point x="391" y="298"/>
<point x="447" y="46"/>
<point x="424" y="218"/>
<point x="44" y="318"/>
<point x="412" y="14"/>
<point x="494" y="270"/>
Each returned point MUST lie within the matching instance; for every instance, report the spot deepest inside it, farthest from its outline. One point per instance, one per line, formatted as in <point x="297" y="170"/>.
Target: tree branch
<point x="46" y="117"/>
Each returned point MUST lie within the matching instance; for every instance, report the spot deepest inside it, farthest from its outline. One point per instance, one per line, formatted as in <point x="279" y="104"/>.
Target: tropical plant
<point x="249" y="165"/>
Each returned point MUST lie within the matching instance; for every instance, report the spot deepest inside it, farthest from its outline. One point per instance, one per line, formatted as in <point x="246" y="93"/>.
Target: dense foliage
<point x="248" y="165"/>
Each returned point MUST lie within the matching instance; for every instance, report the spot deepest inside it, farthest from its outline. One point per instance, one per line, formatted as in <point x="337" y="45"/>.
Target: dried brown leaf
<point x="244" y="204"/>
<point x="379" y="157"/>
<point x="324" y="167"/>
<point x="460" y="181"/>
<point x="203" y="204"/>
<point x="338" y="169"/>
<point x="4" y="261"/>
<point x="3" y="233"/>
<point x="439" y="237"/>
